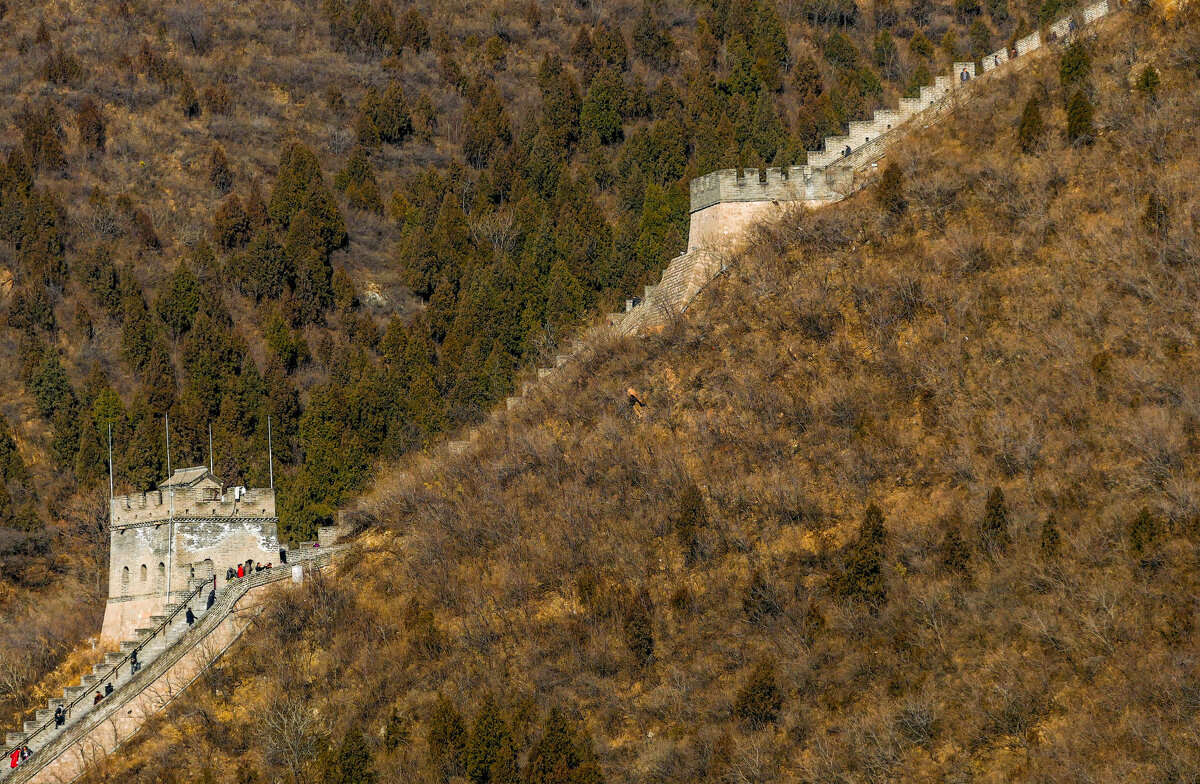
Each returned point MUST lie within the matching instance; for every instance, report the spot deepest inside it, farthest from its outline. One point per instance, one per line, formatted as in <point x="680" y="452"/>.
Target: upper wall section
<point x="791" y="183"/>
<point x="160" y="505"/>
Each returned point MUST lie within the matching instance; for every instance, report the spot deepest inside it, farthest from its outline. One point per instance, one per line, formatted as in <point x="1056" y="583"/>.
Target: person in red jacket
<point x="240" y="570"/>
<point x="16" y="758"/>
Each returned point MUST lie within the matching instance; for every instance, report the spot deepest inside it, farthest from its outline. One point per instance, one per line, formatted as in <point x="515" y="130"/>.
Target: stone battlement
<point x="788" y="183"/>
<point x="161" y="505"/>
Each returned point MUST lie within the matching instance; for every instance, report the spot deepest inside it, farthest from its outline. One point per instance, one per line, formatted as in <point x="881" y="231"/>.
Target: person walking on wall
<point x="60" y="717"/>
<point x="15" y="758"/>
<point x="964" y="76"/>
<point x="230" y="574"/>
<point x="25" y="753"/>
<point x="108" y="688"/>
<point x="240" y="573"/>
<point x="134" y="664"/>
<point x="189" y="616"/>
<point x="212" y="598"/>
<point x="97" y="698"/>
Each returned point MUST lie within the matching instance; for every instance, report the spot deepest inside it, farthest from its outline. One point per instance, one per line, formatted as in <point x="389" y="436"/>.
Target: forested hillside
<point x="357" y="220"/>
<point x="913" y="497"/>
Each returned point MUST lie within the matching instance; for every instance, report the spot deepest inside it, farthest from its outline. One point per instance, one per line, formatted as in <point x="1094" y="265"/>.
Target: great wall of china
<point x="724" y="206"/>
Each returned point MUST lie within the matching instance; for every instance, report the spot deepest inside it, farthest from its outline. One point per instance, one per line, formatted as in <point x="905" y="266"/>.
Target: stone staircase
<point x="163" y="642"/>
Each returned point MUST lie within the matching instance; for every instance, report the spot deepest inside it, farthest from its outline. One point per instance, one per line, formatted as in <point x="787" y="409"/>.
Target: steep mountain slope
<point x="913" y="496"/>
<point x="356" y="221"/>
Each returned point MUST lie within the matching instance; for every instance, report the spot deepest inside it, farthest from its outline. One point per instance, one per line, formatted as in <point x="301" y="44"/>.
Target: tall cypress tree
<point x="993" y="529"/>
<point x="1032" y="128"/>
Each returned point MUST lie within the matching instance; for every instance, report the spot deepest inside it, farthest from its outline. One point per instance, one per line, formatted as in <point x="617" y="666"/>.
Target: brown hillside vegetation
<point x="998" y="353"/>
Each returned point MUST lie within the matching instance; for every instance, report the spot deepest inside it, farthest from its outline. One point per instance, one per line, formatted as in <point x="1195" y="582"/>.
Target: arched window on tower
<point x="124" y="579"/>
<point x="144" y="571"/>
<point x="161" y="580"/>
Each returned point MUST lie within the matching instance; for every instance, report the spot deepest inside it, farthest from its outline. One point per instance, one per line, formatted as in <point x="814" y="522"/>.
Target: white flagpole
<point x="171" y="513"/>
<point x="112" y="512"/>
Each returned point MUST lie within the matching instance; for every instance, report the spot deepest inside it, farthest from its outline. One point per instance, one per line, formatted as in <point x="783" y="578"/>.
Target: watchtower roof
<point x="195" y="477"/>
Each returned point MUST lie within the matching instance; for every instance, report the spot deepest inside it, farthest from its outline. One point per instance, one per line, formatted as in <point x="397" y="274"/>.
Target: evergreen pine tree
<point x="189" y="101"/>
<point x="1076" y="67"/>
<point x="1079" y="119"/>
<point x="639" y="629"/>
<point x="1148" y="81"/>
<point x="92" y="130"/>
<point x="761" y="601"/>
<point x="993" y="529"/>
<point x="1143" y="531"/>
<point x="1031" y="130"/>
<point x="179" y="301"/>
<point x="447" y="736"/>
<point x="218" y="169"/>
<point x="393" y="119"/>
<point x="861" y="574"/>
<point x="351" y="763"/>
<point x="759" y="700"/>
<point x="889" y="193"/>
<point x="490" y="739"/>
<point x="768" y="135"/>
<point x="651" y="41"/>
<point x="562" y="755"/>
<point x="690" y="518"/>
<point x="601" y="113"/>
<point x="954" y="552"/>
<point x="1051" y="542"/>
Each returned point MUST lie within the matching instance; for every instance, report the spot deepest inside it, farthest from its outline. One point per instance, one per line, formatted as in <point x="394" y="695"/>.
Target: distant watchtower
<point x="191" y="526"/>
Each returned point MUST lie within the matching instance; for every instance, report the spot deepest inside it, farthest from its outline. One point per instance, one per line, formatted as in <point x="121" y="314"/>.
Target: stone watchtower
<point x="191" y="526"/>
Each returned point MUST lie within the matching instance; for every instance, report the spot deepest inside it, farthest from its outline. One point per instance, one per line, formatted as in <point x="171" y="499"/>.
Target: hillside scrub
<point x="983" y="408"/>
<point x="359" y="221"/>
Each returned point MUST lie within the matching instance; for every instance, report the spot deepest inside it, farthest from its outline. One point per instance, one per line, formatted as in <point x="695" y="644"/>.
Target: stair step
<point x="71" y="692"/>
<point x="43" y="715"/>
<point x="15" y="738"/>
<point x="113" y="657"/>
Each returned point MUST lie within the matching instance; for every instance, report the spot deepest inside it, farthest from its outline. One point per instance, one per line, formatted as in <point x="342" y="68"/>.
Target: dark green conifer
<point x="760" y="699"/>
<point x="447" y="736"/>
<point x="1076" y="67"/>
<point x="1079" y="119"/>
<point x="562" y="755"/>
<point x="861" y="575"/>
<point x="1032" y="128"/>
<point x="603" y="105"/>
<point x="393" y="119"/>
<point x="889" y="193"/>
<point x="351" y="763"/>
<point x="761" y="601"/>
<point x="690" y="518"/>
<point x="651" y="41"/>
<point x="1143" y="532"/>
<point x="179" y="300"/>
<point x="490" y="740"/>
<point x="954" y="552"/>
<point x="639" y="628"/>
<point x="189" y="101"/>
<point x="1050" y="541"/>
<point x="993" y="529"/>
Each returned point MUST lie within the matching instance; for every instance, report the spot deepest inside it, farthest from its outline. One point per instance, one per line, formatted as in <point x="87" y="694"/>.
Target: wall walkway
<point x="173" y="656"/>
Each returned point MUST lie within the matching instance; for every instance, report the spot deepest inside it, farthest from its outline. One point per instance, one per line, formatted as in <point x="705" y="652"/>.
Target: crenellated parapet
<point x="161" y="505"/>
